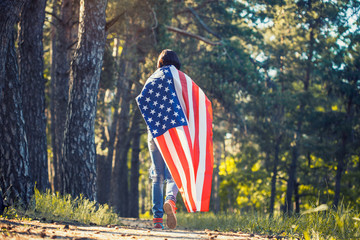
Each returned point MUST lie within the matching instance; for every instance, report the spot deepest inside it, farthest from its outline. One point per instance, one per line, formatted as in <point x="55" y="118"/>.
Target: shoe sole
<point x="171" y="218"/>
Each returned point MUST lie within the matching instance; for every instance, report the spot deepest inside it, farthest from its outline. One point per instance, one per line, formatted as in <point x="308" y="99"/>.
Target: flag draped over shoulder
<point x="179" y="117"/>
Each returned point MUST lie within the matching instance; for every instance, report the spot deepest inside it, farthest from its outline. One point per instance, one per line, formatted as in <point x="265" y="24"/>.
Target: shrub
<point x="53" y="206"/>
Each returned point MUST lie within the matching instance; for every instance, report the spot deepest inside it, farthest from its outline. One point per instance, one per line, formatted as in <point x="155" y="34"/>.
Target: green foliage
<point x="303" y="96"/>
<point x="247" y="177"/>
<point x="53" y="206"/>
<point x="256" y="78"/>
<point x="318" y="223"/>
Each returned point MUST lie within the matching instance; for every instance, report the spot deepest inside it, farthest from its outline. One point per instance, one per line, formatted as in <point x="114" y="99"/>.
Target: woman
<point x="179" y="119"/>
<point x="159" y="171"/>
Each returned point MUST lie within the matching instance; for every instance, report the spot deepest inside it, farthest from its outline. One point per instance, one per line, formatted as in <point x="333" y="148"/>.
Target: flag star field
<point x="159" y="103"/>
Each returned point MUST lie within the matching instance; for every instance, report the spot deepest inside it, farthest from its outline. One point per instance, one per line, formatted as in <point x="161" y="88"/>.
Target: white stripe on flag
<point x="202" y="149"/>
<point x="178" y="88"/>
<point x="191" y="109"/>
<point x="185" y="146"/>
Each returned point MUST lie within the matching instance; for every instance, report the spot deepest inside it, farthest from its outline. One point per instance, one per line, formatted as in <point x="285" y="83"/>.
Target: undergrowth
<point x="55" y="207"/>
<point x="318" y="223"/>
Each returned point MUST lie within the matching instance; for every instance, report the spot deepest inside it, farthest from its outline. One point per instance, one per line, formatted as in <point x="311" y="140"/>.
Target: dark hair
<point x="168" y="57"/>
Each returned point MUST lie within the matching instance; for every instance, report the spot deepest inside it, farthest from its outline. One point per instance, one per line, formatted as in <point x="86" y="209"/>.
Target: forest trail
<point x="131" y="229"/>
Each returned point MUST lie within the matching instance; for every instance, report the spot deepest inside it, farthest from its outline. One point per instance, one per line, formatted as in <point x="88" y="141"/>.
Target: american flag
<point x="179" y="117"/>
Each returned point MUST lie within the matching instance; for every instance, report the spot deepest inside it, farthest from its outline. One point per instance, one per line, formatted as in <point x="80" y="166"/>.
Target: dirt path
<point x="132" y="229"/>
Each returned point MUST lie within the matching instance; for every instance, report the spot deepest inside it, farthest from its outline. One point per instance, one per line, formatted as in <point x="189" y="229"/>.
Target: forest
<point x="283" y="78"/>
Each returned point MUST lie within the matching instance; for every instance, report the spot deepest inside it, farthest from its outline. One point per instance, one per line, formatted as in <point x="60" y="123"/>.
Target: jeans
<point x="158" y="173"/>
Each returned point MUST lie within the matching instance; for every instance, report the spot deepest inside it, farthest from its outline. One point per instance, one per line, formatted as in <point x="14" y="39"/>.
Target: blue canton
<point x="159" y="104"/>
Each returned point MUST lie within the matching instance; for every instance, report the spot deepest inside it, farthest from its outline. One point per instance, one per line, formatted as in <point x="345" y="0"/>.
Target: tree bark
<point x="78" y="164"/>
<point x="119" y="176"/>
<point x="103" y="166"/>
<point x="274" y="176"/>
<point x="2" y="206"/>
<point x="31" y="67"/>
<point x="14" y="162"/>
<point x="103" y="179"/>
<point x="297" y="198"/>
<point x="291" y="181"/>
<point x="60" y="70"/>
<point x="215" y="199"/>
<point x="134" y="176"/>
<point x="107" y="164"/>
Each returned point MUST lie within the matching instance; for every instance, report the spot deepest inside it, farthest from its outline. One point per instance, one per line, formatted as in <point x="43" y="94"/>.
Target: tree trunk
<point x="291" y="182"/>
<point x="107" y="164"/>
<point x="134" y="177"/>
<point x="2" y="206"/>
<point x="339" y="171"/>
<point x="341" y="155"/>
<point x="31" y="67"/>
<point x="60" y="82"/>
<point x="143" y="192"/>
<point x="103" y="179"/>
<point x="60" y="69"/>
<point x="119" y="176"/>
<point x="78" y="164"/>
<point x="215" y="199"/>
<point x="274" y="176"/>
<point x="103" y="166"/>
<point x="297" y="197"/>
<point x="295" y="149"/>
<point x="14" y="162"/>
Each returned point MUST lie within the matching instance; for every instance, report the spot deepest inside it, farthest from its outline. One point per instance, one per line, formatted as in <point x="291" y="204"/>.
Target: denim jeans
<point x="160" y="173"/>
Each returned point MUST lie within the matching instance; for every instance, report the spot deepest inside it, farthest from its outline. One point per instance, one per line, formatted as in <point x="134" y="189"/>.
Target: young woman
<point x="159" y="171"/>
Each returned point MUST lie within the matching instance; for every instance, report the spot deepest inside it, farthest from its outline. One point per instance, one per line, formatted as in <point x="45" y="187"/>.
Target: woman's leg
<point x="157" y="174"/>
<point x="171" y="188"/>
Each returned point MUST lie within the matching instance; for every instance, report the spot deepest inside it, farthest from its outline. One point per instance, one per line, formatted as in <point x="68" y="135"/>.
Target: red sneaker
<point x="158" y="223"/>
<point x="170" y="211"/>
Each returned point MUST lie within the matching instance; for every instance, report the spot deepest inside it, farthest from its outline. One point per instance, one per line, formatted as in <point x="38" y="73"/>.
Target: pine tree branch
<point x="183" y="32"/>
<point x="111" y="22"/>
<point x="203" y="24"/>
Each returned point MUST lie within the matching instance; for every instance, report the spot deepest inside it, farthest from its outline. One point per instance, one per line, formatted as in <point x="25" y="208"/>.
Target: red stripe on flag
<point x="179" y="146"/>
<point x="195" y="99"/>
<point x="205" y="198"/>
<point x="184" y="92"/>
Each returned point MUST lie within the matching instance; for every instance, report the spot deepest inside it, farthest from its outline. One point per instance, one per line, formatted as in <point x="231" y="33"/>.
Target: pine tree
<point x="33" y="88"/>
<point x="15" y="172"/>
<point x="63" y="31"/>
<point x="78" y="163"/>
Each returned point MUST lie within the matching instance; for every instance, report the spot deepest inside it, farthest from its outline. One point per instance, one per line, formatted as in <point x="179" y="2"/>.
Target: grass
<point x="318" y="223"/>
<point x="55" y="207"/>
